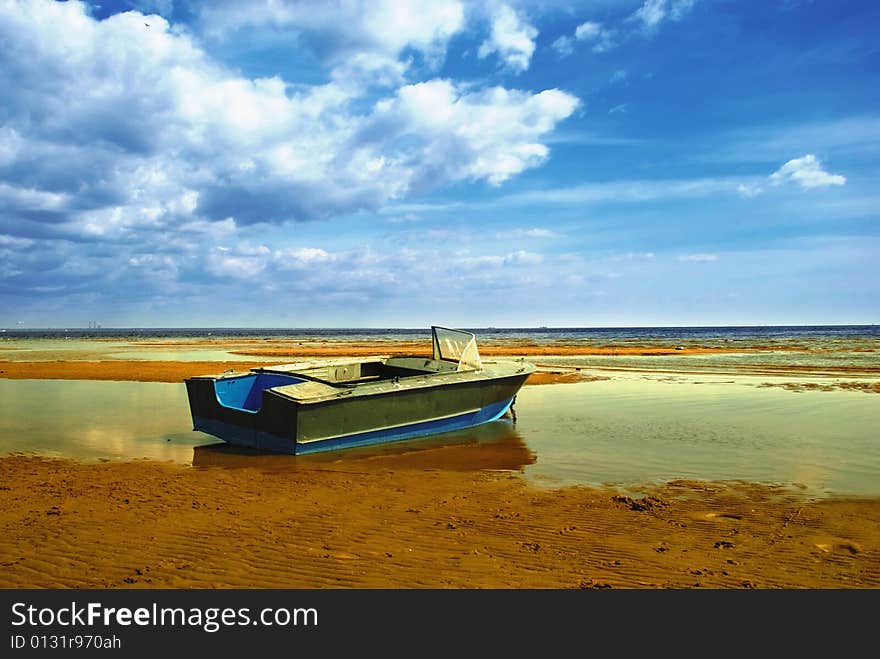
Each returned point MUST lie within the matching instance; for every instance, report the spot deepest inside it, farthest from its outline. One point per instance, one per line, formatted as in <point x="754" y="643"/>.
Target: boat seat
<point x="306" y="390"/>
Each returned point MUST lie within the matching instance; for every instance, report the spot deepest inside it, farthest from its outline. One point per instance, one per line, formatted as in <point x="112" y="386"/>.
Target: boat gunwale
<point x="413" y="382"/>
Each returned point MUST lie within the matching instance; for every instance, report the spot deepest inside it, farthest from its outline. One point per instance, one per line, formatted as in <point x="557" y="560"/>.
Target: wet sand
<point x="163" y="371"/>
<point x="457" y="517"/>
<point x="105" y="359"/>
<point x="123" y="370"/>
<point x="389" y="524"/>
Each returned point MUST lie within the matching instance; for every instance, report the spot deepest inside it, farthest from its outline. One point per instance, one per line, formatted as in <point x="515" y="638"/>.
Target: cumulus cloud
<point x="654" y="12"/>
<point x="240" y="263"/>
<point x="587" y="31"/>
<point x="131" y="159"/>
<point x="351" y="35"/>
<point x="807" y="172"/>
<point x="116" y="127"/>
<point x="601" y="38"/>
<point x="511" y="37"/>
<point x="452" y="134"/>
<point x="564" y="45"/>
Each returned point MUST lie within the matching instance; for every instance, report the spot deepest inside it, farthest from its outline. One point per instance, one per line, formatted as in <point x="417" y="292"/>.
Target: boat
<point x="335" y="404"/>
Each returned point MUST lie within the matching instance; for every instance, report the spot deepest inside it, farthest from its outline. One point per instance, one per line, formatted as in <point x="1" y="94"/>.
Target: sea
<point x="802" y="412"/>
<point x="756" y="333"/>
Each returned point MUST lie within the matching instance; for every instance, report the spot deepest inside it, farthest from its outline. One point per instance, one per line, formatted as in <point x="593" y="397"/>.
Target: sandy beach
<point x="388" y="524"/>
<point x="447" y="518"/>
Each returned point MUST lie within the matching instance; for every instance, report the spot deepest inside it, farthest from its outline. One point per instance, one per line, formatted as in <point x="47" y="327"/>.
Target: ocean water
<point x="801" y="413"/>
<point x="622" y="335"/>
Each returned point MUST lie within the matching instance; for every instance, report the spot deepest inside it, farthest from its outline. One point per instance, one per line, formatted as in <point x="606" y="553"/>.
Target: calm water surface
<point x="631" y="431"/>
<point x="96" y="420"/>
<point x="628" y="431"/>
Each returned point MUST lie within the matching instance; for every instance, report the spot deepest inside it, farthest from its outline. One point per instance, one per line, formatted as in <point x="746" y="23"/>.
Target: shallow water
<point x="93" y="420"/>
<point x="52" y="349"/>
<point x="864" y="361"/>
<point x="629" y="431"/>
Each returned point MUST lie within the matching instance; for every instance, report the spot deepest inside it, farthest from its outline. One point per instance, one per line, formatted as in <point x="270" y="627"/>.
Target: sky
<point x="403" y="163"/>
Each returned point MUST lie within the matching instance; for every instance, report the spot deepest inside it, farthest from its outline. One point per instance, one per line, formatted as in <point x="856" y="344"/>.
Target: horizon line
<point x="389" y="327"/>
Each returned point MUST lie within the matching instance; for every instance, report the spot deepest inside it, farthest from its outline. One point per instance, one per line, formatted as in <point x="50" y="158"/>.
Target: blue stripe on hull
<point x="459" y="422"/>
<point x="233" y="434"/>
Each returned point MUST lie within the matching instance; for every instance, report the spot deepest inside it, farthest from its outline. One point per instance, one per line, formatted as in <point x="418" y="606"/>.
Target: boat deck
<point x="336" y="379"/>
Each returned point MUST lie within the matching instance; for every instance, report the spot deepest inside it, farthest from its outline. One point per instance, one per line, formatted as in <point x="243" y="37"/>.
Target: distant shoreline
<point x="160" y="358"/>
<point x="226" y="330"/>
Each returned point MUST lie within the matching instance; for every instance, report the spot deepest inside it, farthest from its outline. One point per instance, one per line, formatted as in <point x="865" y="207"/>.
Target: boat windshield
<point x="457" y="346"/>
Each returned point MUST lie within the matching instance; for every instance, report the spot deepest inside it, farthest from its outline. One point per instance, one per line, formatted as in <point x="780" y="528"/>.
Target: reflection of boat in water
<point x="335" y="404"/>
<point x="490" y="446"/>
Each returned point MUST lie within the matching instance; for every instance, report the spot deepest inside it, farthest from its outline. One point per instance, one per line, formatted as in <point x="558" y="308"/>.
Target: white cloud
<point x="651" y="13"/>
<point x="563" y="45"/>
<point x="601" y="38"/>
<point x="405" y="218"/>
<point x="366" y="35"/>
<point x="511" y="37"/>
<point x="748" y="191"/>
<point x="654" y="12"/>
<point x="634" y="256"/>
<point x="807" y="172"/>
<point x="535" y="232"/>
<point x="517" y="258"/>
<point x="587" y="31"/>
<point x="137" y="140"/>
<point x="698" y="258"/>
<point x="678" y="8"/>
<point x="302" y="257"/>
<point x="158" y="267"/>
<point x="522" y="257"/>
<point x="492" y="134"/>
<point x="243" y="262"/>
<point x="116" y="128"/>
<point x="31" y="198"/>
<point x="648" y="17"/>
<point x="627" y="191"/>
<point x="369" y="272"/>
<point x="14" y="243"/>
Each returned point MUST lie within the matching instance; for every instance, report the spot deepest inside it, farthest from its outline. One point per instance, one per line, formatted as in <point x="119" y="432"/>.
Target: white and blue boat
<point x="340" y="403"/>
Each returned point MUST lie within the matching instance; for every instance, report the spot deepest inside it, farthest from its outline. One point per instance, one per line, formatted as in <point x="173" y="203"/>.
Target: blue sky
<point x="256" y="163"/>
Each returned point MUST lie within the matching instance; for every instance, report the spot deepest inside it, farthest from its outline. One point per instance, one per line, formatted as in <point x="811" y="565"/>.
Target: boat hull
<point x="350" y="417"/>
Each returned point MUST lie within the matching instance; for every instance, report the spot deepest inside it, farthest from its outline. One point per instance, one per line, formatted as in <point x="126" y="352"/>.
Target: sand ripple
<point x="145" y="524"/>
